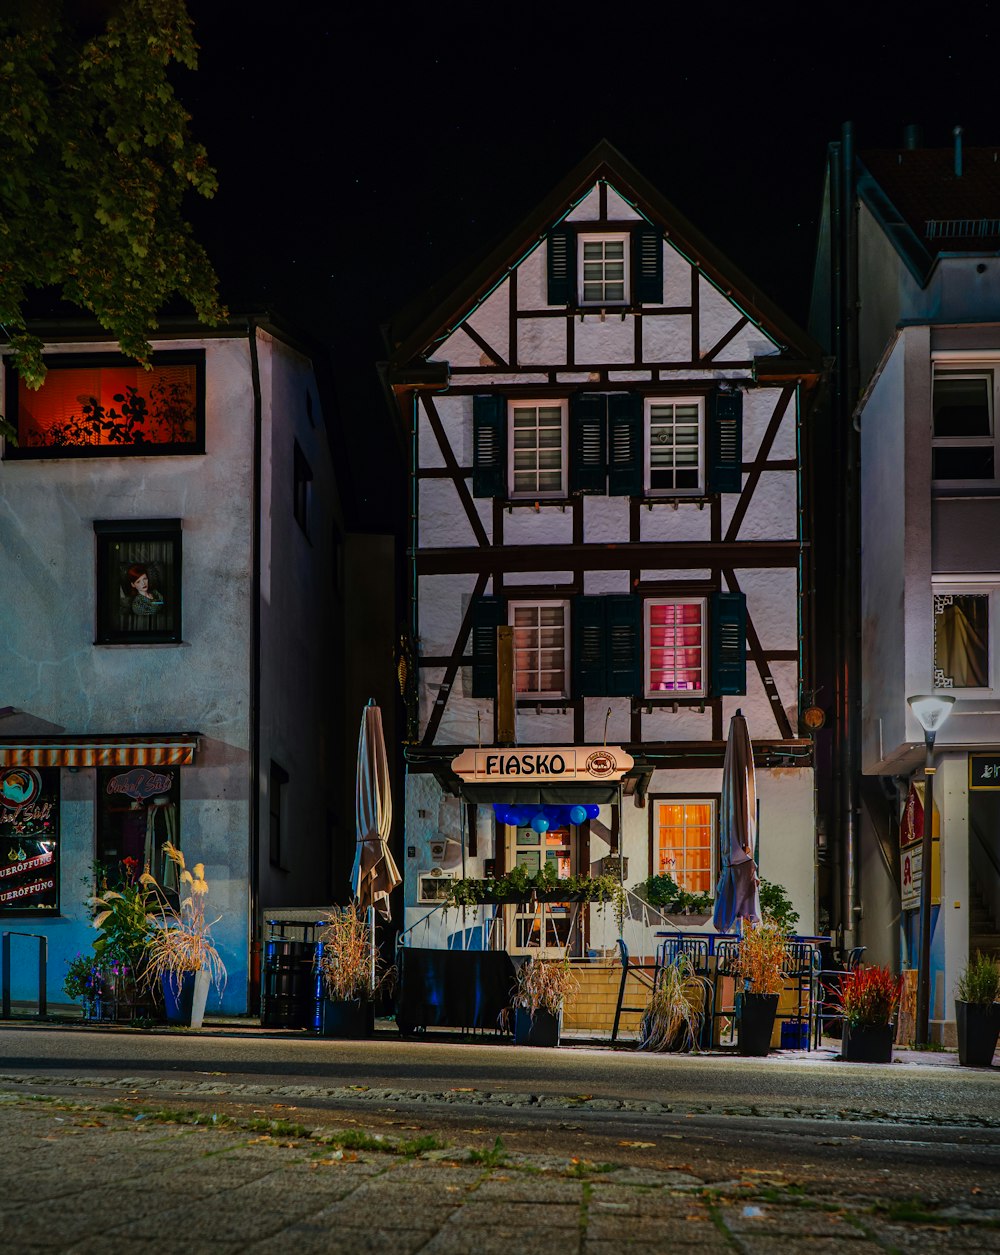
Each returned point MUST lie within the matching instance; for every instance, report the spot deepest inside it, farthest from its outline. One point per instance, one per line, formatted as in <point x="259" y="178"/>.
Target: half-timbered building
<point x="608" y="436"/>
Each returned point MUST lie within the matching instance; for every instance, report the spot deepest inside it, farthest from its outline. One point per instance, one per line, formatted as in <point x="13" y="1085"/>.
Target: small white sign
<point x="544" y="764"/>
<point x="911" y="873"/>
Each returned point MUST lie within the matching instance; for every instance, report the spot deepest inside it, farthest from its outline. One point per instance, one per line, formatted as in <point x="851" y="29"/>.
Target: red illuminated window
<point x="108" y="406"/>
<point x="675" y="648"/>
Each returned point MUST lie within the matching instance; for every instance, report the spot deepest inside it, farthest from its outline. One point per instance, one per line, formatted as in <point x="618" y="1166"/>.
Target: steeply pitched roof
<point x="926" y="208"/>
<point x="414" y="329"/>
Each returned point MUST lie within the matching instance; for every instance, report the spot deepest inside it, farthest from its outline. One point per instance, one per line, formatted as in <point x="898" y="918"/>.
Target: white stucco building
<point x="170" y="629"/>
<point x="920" y="239"/>
<point x="608" y="441"/>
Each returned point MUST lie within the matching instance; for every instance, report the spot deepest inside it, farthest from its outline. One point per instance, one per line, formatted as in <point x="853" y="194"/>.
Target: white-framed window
<point x="684" y="841"/>
<point x="541" y="648"/>
<point x="537" y="448"/>
<point x="602" y="267"/>
<point x="674" y="445"/>
<point x="964" y="423"/>
<point x="963" y="651"/>
<point x="675" y="660"/>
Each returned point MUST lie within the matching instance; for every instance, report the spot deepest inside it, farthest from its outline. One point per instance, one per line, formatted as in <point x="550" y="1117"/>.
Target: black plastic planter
<point x="756" y="1023"/>
<point x="978" y="1030"/>
<point x="352" y="1020"/>
<point x="867" y="1043"/>
<point x="541" y="1029"/>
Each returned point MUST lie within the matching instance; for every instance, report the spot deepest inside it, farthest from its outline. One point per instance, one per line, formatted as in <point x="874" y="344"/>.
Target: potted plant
<point x="88" y="978"/>
<point x="977" y="1011"/>
<point x="182" y="958"/>
<point x="760" y="958"/>
<point x="121" y="947"/>
<point x="344" y="967"/>
<point x="543" y="985"/>
<point x="676" y="1010"/>
<point x="867" y="1000"/>
<point x="676" y="904"/>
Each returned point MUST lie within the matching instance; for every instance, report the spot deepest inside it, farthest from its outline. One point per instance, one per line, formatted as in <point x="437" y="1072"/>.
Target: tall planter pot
<point x="756" y="1023"/>
<point x="185" y="1001"/>
<point x="867" y="1043"/>
<point x="350" y="1020"/>
<point x="539" y="1029"/>
<point x="978" y="1030"/>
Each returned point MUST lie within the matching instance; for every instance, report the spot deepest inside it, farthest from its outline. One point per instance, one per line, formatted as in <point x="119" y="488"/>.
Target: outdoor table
<point x="454" y="988"/>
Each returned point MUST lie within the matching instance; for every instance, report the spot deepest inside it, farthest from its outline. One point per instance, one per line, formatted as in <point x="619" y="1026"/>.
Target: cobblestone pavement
<point x="98" y="1176"/>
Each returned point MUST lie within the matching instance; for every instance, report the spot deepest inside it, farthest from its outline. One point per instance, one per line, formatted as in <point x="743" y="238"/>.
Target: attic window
<point x="603" y="269"/>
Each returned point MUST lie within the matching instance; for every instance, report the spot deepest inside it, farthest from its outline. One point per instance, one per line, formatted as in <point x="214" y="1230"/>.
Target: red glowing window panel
<point x="110" y="406"/>
<point x="675" y="635"/>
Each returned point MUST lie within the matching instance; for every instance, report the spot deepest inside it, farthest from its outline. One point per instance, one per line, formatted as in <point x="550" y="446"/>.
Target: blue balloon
<point x="593" y="811"/>
<point x="540" y="823"/>
<point x="577" y="814"/>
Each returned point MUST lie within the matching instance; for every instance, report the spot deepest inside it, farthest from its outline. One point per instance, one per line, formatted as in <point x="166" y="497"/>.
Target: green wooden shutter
<point x="625" y="444"/>
<point x="590" y="654"/>
<point x="489" y="446"/>
<point x="624" y="615"/>
<point x="647" y="244"/>
<point x="729" y="644"/>
<point x="561" y="266"/>
<point x="588" y="443"/>
<point x="725" y="442"/>
<point x="487" y="615"/>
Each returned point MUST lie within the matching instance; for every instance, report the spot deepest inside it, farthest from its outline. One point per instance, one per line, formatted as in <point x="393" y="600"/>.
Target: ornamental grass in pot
<point x="181" y="955"/>
<point x="344" y="970"/>
<point x="676" y="1011"/>
<point x="977" y="1011"/>
<point x="868" y="1001"/>
<point x="759" y="963"/>
<point x="543" y="985"/>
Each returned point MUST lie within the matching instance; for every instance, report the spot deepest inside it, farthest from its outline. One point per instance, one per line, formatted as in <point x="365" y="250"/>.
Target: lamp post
<point x="931" y="710"/>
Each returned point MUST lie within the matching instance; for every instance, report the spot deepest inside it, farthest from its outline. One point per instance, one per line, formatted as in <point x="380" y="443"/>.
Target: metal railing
<point x="43" y="958"/>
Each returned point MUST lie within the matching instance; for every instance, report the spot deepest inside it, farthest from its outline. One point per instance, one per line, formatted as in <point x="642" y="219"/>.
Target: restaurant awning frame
<point x="168" y="749"/>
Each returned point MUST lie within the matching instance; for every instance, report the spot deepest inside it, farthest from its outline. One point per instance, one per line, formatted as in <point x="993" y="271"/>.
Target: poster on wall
<point x="29" y="840"/>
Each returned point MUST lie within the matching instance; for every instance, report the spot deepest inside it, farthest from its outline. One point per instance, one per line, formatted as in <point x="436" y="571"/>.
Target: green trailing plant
<point x="776" y="906"/>
<point x="86" y="978"/>
<point x="760" y="957"/>
<point x="868" y="997"/>
<point x="544" y="984"/>
<point x="519" y="884"/>
<point x="979" y="982"/>
<point x="664" y="893"/>
<point x="673" y="1019"/>
<point x="345" y="959"/>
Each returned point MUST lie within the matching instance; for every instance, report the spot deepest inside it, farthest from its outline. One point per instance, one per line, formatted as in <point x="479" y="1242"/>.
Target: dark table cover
<point x="454" y="988"/>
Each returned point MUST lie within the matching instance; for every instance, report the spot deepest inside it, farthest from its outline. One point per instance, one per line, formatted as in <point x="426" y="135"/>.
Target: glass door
<point x="543" y="928"/>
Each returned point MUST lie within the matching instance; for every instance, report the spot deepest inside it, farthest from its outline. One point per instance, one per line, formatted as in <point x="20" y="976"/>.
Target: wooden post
<point x="505" y="685"/>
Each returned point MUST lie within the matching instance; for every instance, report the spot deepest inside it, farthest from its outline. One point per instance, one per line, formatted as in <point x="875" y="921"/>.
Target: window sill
<point x="142" y="644"/>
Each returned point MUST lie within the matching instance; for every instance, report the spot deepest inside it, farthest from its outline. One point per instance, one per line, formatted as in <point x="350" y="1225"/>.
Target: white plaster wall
<point x="676" y="279"/>
<point x="688" y="723"/>
<point x="441" y="604"/>
<point x="716" y="315"/>
<point x="662" y="575"/>
<point x="771" y="514"/>
<point x="756" y="706"/>
<point x="595" y="711"/>
<point x="541" y="341"/>
<point x="443" y="521"/>
<point x="619" y="209"/>
<point x="605" y="519"/>
<point x="534" y="578"/>
<point x="492" y="319"/>
<point x="459" y="350"/>
<point x="759" y="405"/>
<point x="550" y="525"/>
<point x="532" y="281"/>
<point x="597" y="342"/>
<point x="545" y="726"/>
<point x="597" y="582"/>
<point x="662" y="522"/>
<point x="428" y="450"/>
<point x="666" y="337"/>
<point x="588" y="209"/>
<point x="455" y="413"/>
<point x="772" y="604"/>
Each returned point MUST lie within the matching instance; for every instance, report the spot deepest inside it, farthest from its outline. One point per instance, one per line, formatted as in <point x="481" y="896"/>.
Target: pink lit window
<point x="675" y="648"/>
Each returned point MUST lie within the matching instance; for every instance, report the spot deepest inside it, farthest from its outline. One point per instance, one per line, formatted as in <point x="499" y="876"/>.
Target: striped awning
<point x="156" y="750"/>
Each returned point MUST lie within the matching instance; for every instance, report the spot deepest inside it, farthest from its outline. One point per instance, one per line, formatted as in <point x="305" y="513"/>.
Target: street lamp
<point x="931" y="710"/>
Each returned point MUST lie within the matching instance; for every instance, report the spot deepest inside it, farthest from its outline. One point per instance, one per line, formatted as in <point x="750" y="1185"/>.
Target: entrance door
<point x="543" y="928"/>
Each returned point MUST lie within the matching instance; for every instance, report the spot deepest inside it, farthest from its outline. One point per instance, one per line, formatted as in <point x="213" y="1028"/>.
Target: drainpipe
<point x="834" y="448"/>
<point x="850" y="692"/>
<point x="957" y="132"/>
<point x="253" y="881"/>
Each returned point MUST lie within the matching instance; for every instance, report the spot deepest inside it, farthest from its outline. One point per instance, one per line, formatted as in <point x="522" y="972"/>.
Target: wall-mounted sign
<point x="563" y="763"/>
<point x="911" y="874"/>
<point x="911" y="826"/>
<point x="984" y="771"/>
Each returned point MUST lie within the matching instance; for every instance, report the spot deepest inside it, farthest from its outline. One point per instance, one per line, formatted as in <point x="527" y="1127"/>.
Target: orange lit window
<point x="105" y="405"/>
<point x="685" y="839"/>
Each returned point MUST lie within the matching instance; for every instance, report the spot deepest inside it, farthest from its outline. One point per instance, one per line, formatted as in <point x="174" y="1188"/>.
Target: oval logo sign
<point x="601" y="763"/>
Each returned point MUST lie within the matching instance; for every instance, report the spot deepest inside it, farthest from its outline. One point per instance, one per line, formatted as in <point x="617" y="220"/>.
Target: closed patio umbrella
<point x="375" y="874"/>
<point x="736" y="895"/>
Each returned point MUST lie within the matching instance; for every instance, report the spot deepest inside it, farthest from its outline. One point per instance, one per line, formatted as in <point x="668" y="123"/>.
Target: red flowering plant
<point x="868" y="997"/>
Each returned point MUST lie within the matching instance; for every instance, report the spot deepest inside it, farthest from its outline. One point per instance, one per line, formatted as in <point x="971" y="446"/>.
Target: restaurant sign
<point x="984" y="771"/>
<point x="563" y="764"/>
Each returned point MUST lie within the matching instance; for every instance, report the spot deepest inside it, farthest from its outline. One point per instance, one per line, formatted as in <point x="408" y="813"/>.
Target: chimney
<point x="958" y="151"/>
<point x="913" y="137"/>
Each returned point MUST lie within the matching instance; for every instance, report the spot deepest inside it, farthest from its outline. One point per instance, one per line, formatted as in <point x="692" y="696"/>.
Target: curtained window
<point x="961" y="640"/>
<point x="685" y="840"/>
<point x="675" y="648"/>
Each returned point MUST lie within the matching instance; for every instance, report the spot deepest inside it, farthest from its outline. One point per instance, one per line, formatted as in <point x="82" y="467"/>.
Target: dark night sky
<point x="361" y="155"/>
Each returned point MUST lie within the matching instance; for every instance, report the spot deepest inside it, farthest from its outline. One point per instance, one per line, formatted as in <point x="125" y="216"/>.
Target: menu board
<point x="29" y="840"/>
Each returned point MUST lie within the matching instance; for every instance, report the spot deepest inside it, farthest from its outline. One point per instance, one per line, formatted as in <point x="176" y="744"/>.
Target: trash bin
<point x="288" y="985"/>
<point x="794" y="1035"/>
